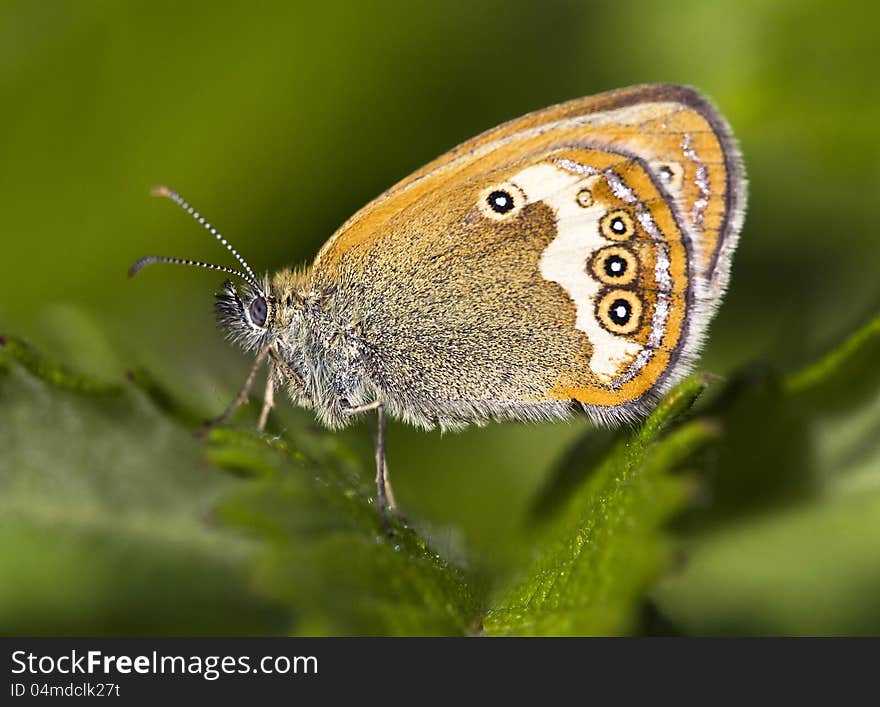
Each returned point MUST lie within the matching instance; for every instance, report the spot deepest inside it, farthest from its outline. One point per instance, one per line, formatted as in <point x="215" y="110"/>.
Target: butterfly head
<point x="246" y="314"/>
<point x="257" y="316"/>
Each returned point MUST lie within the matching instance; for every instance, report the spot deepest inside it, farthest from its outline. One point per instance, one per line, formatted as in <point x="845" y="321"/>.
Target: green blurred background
<point x="278" y="120"/>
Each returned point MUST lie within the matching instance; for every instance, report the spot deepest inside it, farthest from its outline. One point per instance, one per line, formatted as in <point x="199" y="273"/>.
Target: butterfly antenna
<point x="151" y="259"/>
<point x="183" y="204"/>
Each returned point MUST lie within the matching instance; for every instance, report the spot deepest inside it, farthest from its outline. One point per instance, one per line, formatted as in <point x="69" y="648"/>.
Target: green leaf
<point x="841" y="394"/>
<point x="599" y="557"/>
<point x="106" y="514"/>
<point x="788" y="545"/>
<point x="809" y="570"/>
<point x="113" y="523"/>
<point x="326" y="553"/>
<point x="857" y="353"/>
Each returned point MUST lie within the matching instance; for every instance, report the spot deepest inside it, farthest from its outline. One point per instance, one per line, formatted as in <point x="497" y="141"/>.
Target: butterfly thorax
<point x="319" y="353"/>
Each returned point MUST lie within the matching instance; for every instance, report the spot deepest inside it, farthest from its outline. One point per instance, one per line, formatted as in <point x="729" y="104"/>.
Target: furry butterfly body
<point x="570" y="260"/>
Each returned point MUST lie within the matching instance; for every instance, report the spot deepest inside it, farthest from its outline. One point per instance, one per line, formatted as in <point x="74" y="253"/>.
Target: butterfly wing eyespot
<point x="670" y="174"/>
<point x="584" y="197"/>
<point x="614" y="265"/>
<point x="501" y="202"/>
<point x="620" y="312"/>
<point x="617" y="225"/>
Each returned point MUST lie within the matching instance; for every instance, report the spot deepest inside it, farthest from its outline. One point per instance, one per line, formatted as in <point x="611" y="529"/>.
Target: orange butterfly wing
<point x="476" y="317"/>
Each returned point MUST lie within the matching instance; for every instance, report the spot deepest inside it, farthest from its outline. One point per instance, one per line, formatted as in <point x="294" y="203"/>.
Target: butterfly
<point x="569" y="261"/>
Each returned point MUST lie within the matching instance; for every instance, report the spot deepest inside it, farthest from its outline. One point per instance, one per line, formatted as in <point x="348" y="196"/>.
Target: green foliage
<point x="107" y="522"/>
<point x="605" y="547"/>
<point x="118" y="519"/>
<point x="326" y="553"/>
<point x="790" y="547"/>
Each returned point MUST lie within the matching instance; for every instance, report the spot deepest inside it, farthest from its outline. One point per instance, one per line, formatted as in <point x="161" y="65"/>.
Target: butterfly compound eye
<point x="257" y="311"/>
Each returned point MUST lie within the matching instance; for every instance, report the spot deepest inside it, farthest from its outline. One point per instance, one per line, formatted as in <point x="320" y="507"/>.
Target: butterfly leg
<point x="384" y="493"/>
<point x="243" y="393"/>
<point x="268" y="399"/>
